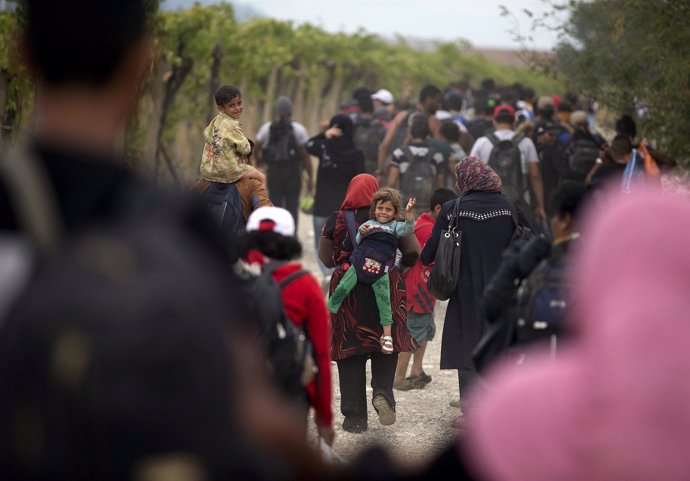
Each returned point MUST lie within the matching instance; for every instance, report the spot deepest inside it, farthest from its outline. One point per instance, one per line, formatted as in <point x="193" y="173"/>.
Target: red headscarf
<point x="474" y="174"/>
<point x="360" y="191"/>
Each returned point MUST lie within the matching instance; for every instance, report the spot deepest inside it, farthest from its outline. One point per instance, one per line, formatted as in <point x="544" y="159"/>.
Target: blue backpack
<point x="542" y="302"/>
<point x="374" y="255"/>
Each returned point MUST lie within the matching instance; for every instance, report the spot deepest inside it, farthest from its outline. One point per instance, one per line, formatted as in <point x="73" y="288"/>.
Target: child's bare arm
<point x="409" y="215"/>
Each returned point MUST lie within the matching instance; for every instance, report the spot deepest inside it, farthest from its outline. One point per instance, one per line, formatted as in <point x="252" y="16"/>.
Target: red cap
<point x="504" y="108"/>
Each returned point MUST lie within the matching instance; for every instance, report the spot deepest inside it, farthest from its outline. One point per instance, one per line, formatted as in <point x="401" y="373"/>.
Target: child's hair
<point x="419" y="126"/>
<point x="271" y="244"/>
<point x="450" y="131"/>
<point x="440" y="197"/>
<point x="387" y="194"/>
<point x="225" y="94"/>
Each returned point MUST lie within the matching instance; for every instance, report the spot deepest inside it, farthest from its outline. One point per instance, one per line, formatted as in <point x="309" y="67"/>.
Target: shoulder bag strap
<point x="351" y="227"/>
<point x="292" y="277"/>
<point x="33" y="198"/>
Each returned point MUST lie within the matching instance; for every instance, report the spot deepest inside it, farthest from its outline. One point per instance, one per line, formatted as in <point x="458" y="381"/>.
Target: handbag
<point x="444" y="275"/>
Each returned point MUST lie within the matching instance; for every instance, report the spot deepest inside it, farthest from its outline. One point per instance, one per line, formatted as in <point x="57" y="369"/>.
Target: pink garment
<point x="615" y="404"/>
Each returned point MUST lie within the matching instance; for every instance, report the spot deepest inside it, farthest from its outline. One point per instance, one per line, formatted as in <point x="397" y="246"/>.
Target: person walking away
<point x="356" y="327"/>
<point x="420" y="302"/>
<point x="118" y="354"/>
<point x="270" y="239"/>
<point x="369" y="133"/>
<point x="528" y="297"/>
<point x="484" y="217"/>
<point x="383" y="106"/>
<point x="552" y="162"/>
<point x="450" y="133"/>
<point x="280" y="146"/>
<point x="417" y="169"/>
<point x="430" y="100"/>
<point x="339" y="161"/>
<point x="374" y="255"/>
<point x="513" y="158"/>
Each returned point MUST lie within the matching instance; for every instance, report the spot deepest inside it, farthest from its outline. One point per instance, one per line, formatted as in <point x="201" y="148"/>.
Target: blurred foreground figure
<point x="614" y="404"/>
<point x="121" y="341"/>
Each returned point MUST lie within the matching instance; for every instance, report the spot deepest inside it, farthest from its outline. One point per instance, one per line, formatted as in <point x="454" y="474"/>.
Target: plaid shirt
<point x="226" y="151"/>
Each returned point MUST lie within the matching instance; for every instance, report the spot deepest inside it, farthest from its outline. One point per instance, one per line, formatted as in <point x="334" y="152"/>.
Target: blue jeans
<point x="319" y="222"/>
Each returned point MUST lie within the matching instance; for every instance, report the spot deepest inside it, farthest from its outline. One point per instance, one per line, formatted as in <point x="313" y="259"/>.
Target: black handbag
<point x="444" y="275"/>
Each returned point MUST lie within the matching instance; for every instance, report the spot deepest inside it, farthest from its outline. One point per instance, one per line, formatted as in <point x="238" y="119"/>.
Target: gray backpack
<point x="419" y="180"/>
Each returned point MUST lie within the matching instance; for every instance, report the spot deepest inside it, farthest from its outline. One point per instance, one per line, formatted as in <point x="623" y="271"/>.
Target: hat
<point x="506" y="110"/>
<point x="546" y="127"/>
<point x="284" y="106"/>
<point x="383" y="96"/>
<point x="274" y="219"/>
<point x="578" y="118"/>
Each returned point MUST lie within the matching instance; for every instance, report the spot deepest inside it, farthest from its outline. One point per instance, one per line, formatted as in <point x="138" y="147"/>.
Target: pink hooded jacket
<point x="615" y="403"/>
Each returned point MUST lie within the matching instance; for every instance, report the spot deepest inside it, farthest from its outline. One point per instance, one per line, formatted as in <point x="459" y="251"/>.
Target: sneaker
<point x="383" y="409"/>
<point x="352" y="425"/>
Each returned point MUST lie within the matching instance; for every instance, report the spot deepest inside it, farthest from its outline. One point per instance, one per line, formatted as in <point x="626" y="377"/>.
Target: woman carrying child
<point x="356" y="326"/>
<point x="377" y="243"/>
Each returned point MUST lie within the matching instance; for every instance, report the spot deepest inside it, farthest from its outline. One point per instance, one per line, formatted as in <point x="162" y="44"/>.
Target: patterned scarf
<point x="475" y="175"/>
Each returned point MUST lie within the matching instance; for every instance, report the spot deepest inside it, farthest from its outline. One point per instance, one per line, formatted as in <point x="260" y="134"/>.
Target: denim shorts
<point x="421" y="326"/>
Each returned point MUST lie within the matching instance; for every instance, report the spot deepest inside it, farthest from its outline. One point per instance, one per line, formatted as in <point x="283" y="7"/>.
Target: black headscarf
<point x="343" y="148"/>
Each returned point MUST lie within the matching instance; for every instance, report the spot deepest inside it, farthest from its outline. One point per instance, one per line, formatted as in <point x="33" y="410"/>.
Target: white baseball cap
<point x="275" y="219"/>
<point x="384" y="96"/>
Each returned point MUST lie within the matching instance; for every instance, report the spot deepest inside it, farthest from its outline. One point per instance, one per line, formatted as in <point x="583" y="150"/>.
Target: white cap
<point x="384" y="96"/>
<point x="275" y="219"/>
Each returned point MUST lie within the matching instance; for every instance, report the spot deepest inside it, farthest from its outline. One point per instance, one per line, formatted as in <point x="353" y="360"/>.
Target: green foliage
<point x="266" y="58"/>
<point x="630" y="55"/>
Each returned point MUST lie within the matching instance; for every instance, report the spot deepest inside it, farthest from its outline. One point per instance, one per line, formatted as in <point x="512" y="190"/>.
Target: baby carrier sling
<point x="374" y="255"/>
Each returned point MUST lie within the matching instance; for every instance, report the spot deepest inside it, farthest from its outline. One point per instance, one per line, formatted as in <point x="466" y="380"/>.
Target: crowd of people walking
<point x="148" y="334"/>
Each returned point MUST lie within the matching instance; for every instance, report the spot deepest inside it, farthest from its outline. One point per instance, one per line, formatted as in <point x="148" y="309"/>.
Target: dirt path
<point x="422" y="427"/>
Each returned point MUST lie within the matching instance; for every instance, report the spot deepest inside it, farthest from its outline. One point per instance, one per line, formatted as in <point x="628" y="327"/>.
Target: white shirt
<point x="482" y="148"/>
<point x="301" y="136"/>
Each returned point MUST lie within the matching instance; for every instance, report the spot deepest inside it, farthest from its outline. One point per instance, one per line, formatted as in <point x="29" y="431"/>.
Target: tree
<point x="632" y="57"/>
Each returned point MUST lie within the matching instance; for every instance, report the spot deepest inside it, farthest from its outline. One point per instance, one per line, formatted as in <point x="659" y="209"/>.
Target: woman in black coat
<point x="487" y="226"/>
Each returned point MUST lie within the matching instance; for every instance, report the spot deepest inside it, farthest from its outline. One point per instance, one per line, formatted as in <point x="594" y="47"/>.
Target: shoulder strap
<point x="493" y="139"/>
<point x="271" y="266"/>
<point x="33" y="198"/>
<point x="517" y="138"/>
<point x="351" y="228"/>
<point x="456" y="213"/>
<point x="407" y="152"/>
<point x="292" y="277"/>
<point x="513" y="211"/>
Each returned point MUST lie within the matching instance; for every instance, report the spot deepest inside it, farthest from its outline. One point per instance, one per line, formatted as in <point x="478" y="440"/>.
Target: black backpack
<point x="582" y="155"/>
<point x="290" y="352"/>
<point x="419" y="180"/>
<point x="506" y="161"/>
<point x="282" y="148"/>
<point x="367" y="138"/>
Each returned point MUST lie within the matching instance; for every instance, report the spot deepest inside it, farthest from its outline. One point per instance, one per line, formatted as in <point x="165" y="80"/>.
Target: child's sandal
<point x="387" y="344"/>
